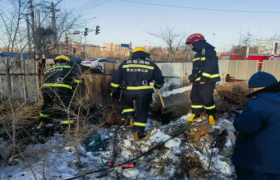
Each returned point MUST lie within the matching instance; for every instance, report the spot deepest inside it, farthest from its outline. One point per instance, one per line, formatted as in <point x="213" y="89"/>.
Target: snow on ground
<point x="167" y="93"/>
<point x="176" y="91"/>
<point x="60" y="163"/>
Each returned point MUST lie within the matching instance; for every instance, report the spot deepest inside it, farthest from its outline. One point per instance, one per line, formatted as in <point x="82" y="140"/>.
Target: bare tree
<point x="158" y="54"/>
<point x="15" y="40"/>
<point x="247" y="40"/>
<point x="11" y="21"/>
<point x="182" y="53"/>
<point x="171" y="37"/>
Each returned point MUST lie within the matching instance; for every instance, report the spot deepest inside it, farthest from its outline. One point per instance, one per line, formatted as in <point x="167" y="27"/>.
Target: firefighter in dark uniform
<point x="134" y="77"/>
<point x="205" y="74"/>
<point x="59" y="84"/>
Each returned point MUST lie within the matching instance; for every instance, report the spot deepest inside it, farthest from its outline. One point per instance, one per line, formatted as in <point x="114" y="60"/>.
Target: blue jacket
<point x="258" y="143"/>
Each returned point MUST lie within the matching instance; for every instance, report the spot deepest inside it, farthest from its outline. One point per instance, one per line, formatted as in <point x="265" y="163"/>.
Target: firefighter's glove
<point x="192" y="77"/>
<point x="158" y="86"/>
<point x="115" y="95"/>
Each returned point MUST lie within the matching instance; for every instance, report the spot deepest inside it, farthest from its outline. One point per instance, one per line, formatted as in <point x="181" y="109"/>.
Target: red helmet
<point x="194" y="38"/>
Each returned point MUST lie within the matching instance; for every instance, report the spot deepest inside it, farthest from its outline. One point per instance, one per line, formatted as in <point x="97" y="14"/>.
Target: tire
<point x="99" y="67"/>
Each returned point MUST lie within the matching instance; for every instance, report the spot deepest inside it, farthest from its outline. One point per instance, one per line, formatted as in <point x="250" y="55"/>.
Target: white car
<point x="97" y="63"/>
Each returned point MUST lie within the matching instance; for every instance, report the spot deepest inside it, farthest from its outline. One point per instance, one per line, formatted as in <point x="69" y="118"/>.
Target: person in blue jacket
<point x="257" y="151"/>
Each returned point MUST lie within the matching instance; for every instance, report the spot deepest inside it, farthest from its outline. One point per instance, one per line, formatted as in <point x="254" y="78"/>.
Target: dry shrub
<point x="198" y="172"/>
<point x="192" y="166"/>
<point x="26" y="114"/>
<point x="190" y="162"/>
<point x="112" y="115"/>
<point x="231" y="95"/>
<point x="230" y="85"/>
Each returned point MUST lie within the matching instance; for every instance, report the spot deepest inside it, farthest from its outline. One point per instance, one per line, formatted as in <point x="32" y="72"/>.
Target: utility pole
<point x="260" y="47"/>
<point x="23" y="79"/>
<point x="85" y="41"/>
<point x="33" y="23"/>
<point x="33" y="8"/>
<point x="28" y="34"/>
<point x="39" y="20"/>
<point x="35" y="13"/>
<point x="130" y="48"/>
<point x="269" y="45"/>
<point x="265" y="46"/>
<point x="54" y="27"/>
<point x="273" y="47"/>
<point x="273" y="50"/>
<point x="247" y="51"/>
<point x="66" y="43"/>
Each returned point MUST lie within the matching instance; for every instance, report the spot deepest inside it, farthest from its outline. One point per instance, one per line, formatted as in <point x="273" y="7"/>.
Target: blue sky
<point x="124" y="22"/>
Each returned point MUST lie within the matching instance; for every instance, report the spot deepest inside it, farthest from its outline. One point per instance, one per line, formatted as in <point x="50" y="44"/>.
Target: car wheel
<point x="99" y="67"/>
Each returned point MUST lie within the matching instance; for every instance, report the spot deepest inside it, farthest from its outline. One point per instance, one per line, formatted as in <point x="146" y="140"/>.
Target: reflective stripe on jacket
<point x="137" y="75"/>
<point x="205" y="66"/>
<point x="62" y="75"/>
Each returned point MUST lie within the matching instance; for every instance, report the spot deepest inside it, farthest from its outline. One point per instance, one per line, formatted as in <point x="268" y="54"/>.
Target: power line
<point x="86" y="5"/>
<point x="4" y="2"/>
<point x="92" y="4"/>
<point x="97" y="5"/>
<point x="206" y="9"/>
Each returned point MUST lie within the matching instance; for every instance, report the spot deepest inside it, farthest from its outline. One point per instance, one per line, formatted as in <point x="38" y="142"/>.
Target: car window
<point x="111" y="61"/>
<point x="92" y="59"/>
<point x="103" y="60"/>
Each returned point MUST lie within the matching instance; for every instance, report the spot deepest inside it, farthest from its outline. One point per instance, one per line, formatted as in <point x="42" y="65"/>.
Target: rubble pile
<point x="231" y="95"/>
<point x="165" y="153"/>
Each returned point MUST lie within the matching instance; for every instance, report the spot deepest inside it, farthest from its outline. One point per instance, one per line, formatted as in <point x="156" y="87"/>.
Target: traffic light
<point x="74" y="50"/>
<point x="97" y="31"/>
<point x="86" y="32"/>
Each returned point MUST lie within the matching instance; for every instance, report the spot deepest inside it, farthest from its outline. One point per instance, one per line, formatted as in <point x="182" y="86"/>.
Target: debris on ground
<point x="231" y="96"/>
<point x="180" y="157"/>
<point x="103" y="148"/>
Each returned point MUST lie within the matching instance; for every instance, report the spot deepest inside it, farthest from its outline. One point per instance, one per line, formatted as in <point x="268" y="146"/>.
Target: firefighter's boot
<point x="42" y="123"/>
<point x="138" y="136"/>
<point x="194" y="117"/>
<point x="212" y="121"/>
<point x="129" y="122"/>
<point x="67" y="132"/>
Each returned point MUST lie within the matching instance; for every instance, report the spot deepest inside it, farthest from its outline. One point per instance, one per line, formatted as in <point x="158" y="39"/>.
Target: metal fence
<point x="272" y="67"/>
<point x="177" y="73"/>
<point x="23" y="78"/>
<point x="23" y="74"/>
<point x="242" y="69"/>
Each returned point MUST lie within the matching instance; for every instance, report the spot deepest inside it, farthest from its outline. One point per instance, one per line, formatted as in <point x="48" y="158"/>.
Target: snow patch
<point x="228" y="142"/>
<point x="176" y="91"/>
<point x="131" y="173"/>
<point x="60" y="163"/>
<point x="174" y="143"/>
